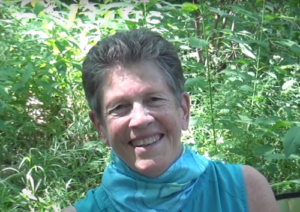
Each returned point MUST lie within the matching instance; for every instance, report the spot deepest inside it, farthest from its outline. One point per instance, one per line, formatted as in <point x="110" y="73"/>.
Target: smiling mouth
<point x="146" y="141"/>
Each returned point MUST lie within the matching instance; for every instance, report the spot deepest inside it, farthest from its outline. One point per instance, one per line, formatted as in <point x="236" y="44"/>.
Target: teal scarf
<point x="132" y="192"/>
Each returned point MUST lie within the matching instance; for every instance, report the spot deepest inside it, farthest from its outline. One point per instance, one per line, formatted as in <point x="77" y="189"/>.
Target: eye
<point x="154" y="99"/>
<point x="119" y="108"/>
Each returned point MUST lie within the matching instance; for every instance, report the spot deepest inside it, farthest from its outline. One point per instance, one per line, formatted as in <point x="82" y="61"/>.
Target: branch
<point x="197" y="28"/>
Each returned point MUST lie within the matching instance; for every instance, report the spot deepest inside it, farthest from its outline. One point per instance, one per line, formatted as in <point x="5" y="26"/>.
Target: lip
<point x="145" y="136"/>
<point x="144" y="149"/>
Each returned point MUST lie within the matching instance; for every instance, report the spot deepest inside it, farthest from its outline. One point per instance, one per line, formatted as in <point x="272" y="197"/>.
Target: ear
<point x="185" y="107"/>
<point x="99" y="127"/>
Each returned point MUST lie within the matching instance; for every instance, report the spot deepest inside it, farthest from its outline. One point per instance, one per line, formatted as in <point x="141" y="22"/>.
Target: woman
<point x="134" y="85"/>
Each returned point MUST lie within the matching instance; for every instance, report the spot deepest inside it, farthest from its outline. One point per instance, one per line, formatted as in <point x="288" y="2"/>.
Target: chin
<point x="150" y="168"/>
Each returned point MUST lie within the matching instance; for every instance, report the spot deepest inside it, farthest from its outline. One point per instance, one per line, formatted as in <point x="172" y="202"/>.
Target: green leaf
<point x="280" y="156"/>
<point x="60" y="46"/>
<point x="150" y="4"/>
<point x="198" y="43"/>
<point x="188" y="7"/>
<point x="260" y="43"/>
<point x="245" y="119"/>
<point x="27" y="72"/>
<point x="291" y="44"/>
<point x="39" y="7"/>
<point x="295" y="48"/>
<point x="117" y="4"/>
<point x="245" y="12"/>
<point x="274" y="157"/>
<point x="231" y="126"/>
<point x="130" y="24"/>
<point x="247" y="88"/>
<point x="287" y="182"/>
<point x="279" y="124"/>
<point x="233" y="72"/>
<point x="264" y="149"/>
<point x="61" y="67"/>
<point x="219" y="12"/>
<point x="264" y="121"/>
<point x="4" y="95"/>
<point x="196" y="82"/>
<point x="291" y="141"/>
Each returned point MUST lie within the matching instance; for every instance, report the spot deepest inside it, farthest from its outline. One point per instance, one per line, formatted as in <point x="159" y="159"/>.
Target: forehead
<point x="136" y="78"/>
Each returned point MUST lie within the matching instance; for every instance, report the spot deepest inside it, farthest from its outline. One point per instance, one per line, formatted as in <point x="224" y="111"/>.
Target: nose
<point x="140" y="117"/>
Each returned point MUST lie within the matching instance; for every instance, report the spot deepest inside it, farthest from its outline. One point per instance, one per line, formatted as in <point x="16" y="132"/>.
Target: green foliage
<point x="241" y="61"/>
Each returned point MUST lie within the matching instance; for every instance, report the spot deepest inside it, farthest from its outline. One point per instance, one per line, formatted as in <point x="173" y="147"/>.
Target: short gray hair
<point x="126" y="48"/>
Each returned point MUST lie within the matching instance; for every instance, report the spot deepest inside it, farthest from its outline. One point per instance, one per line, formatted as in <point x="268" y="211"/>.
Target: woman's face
<point x="142" y="120"/>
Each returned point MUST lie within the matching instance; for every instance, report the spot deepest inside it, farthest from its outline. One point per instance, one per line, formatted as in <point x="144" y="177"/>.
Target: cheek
<point x="117" y="130"/>
<point x="171" y="122"/>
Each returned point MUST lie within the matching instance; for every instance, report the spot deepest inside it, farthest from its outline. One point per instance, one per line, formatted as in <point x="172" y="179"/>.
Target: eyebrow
<point x="120" y="98"/>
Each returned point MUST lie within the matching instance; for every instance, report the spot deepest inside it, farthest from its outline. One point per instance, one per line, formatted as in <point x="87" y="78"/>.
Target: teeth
<point x="146" y="141"/>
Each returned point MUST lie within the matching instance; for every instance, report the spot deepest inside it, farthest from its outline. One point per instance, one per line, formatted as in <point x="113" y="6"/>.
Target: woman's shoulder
<point x="70" y="209"/>
<point x="259" y="193"/>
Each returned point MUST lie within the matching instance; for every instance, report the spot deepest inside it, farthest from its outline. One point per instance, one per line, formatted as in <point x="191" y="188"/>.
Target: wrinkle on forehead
<point x="134" y="73"/>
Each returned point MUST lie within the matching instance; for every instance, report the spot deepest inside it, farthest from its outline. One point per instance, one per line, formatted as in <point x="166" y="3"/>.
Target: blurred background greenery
<point x="241" y="62"/>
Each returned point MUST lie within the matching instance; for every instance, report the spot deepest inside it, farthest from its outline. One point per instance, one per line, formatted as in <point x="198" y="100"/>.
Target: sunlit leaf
<point x="117" y="4"/>
<point x="291" y="141"/>
<point x="24" y="2"/>
<point x="188" y="7"/>
<point x="288" y="84"/>
<point x="219" y="12"/>
<point x="38" y="7"/>
<point x="4" y="95"/>
<point x="287" y="182"/>
<point x="280" y="124"/>
<point x="245" y="119"/>
<point x="246" y="50"/>
<point x="247" y="88"/>
<point x="73" y="12"/>
<point x="224" y="111"/>
<point x="195" y="121"/>
<point x="272" y="75"/>
<point x="184" y="47"/>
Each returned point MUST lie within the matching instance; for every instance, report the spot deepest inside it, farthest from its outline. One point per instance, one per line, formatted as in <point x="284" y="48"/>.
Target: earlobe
<point x="185" y="106"/>
<point x="99" y="127"/>
<point x="95" y="121"/>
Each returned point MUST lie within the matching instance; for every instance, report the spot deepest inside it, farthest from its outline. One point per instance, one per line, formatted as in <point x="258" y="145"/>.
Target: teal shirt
<point x="220" y="188"/>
